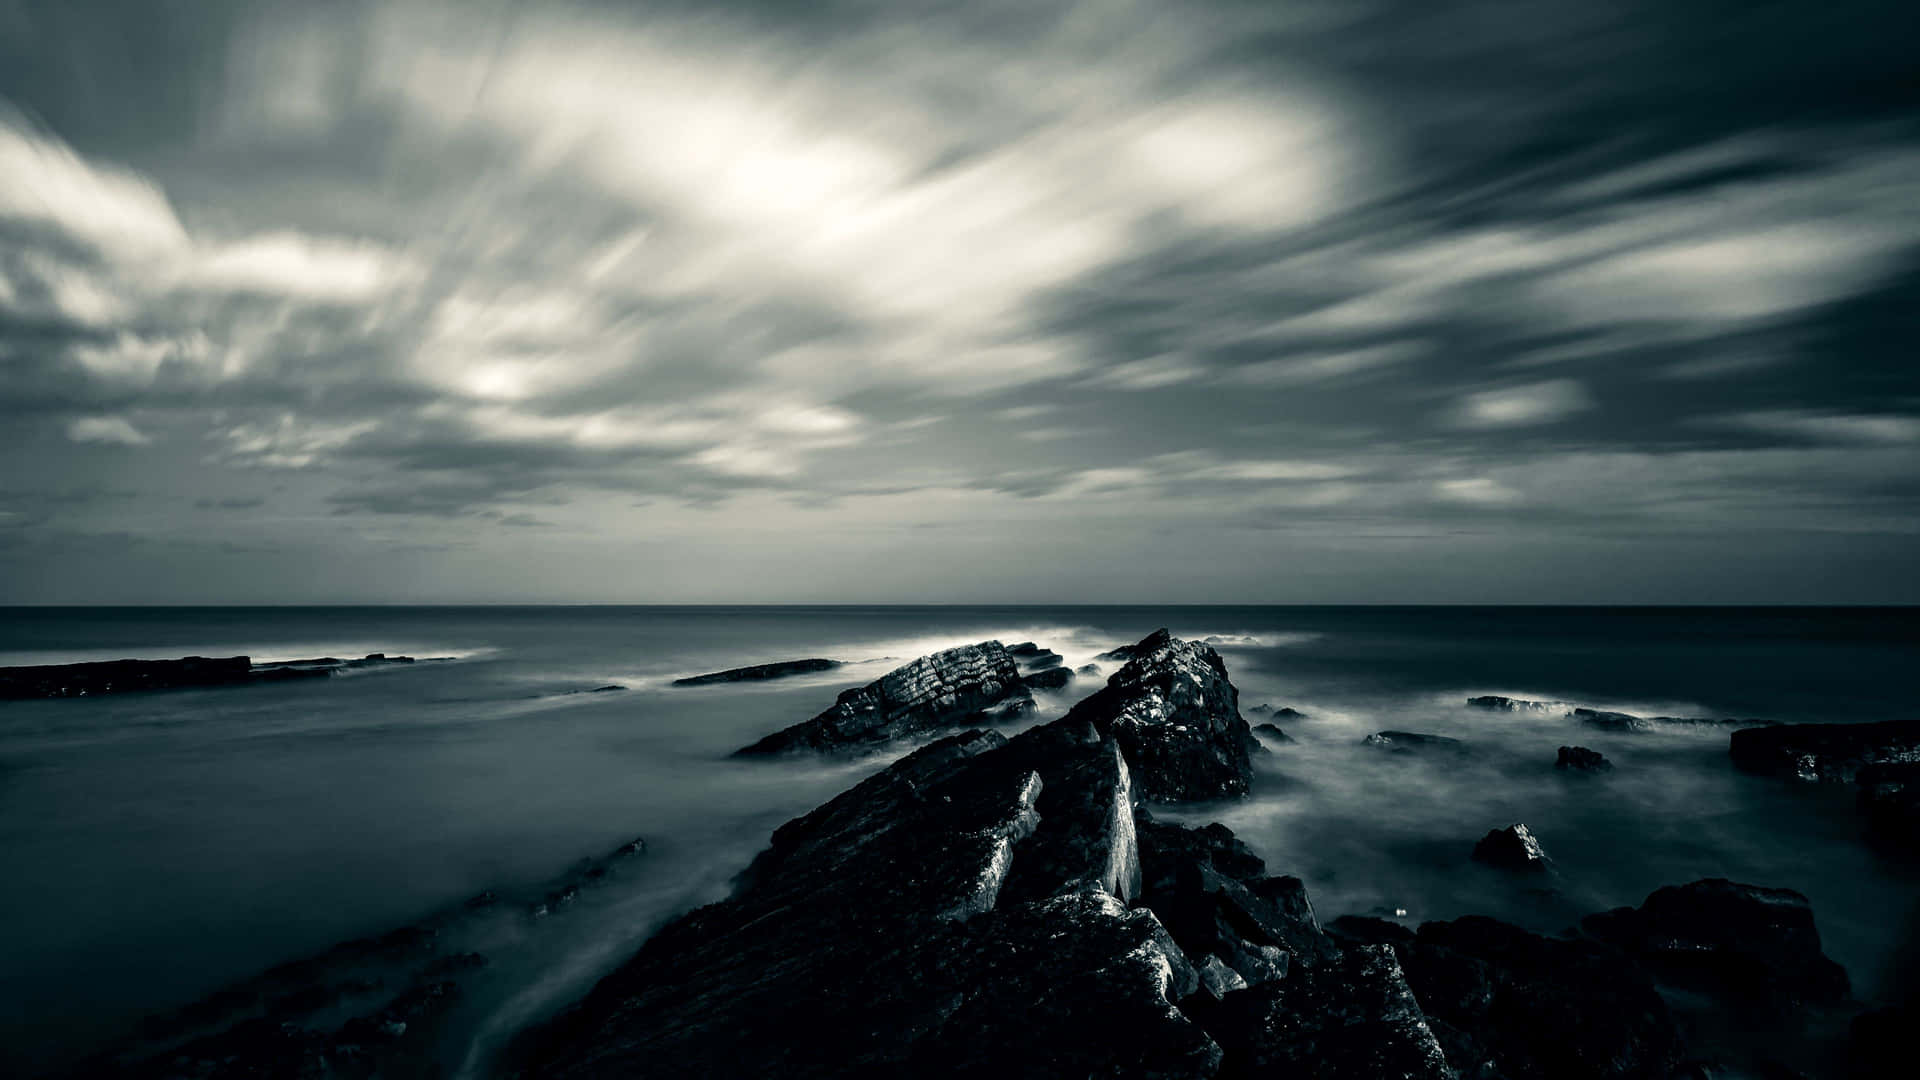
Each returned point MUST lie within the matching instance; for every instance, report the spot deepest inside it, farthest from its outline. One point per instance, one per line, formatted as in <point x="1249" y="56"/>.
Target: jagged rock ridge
<point x="957" y="687"/>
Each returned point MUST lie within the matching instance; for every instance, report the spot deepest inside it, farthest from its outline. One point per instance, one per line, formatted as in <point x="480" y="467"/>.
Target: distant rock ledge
<point x="756" y="672"/>
<point x="125" y="676"/>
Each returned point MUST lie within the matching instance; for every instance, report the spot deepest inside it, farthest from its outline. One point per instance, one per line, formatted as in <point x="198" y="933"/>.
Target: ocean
<point x="161" y="845"/>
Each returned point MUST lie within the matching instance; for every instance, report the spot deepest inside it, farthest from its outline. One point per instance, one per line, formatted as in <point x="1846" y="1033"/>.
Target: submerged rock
<point x="1832" y="753"/>
<point x="1177" y="718"/>
<point x="1754" y="946"/>
<point x="1054" y="678"/>
<point x="1403" y="742"/>
<point x="1512" y="848"/>
<point x="1890" y="799"/>
<point x="1581" y="759"/>
<point x="953" y="688"/>
<point x="756" y="672"/>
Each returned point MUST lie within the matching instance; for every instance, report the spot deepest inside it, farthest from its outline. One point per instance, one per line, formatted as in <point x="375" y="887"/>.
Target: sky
<point x="1102" y="301"/>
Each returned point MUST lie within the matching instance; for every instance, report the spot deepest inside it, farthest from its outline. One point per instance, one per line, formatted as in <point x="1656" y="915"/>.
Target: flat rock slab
<point x="760" y="672"/>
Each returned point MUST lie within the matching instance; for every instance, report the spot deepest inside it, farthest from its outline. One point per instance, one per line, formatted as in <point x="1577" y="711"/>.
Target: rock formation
<point x="1824" y="752"/>
<point x="989" y="907"/>
<point x="954" y="688"/>
<point x="1581" y="759"/>
<point x="123" y="676"/>
<point x="1512" y="848"/>
<point x="1177" y="720"/>
<point x="1272" y="732"/>
<point x="1404" y="742"/>
<point x="1052" y="678"/>
<point x="1753" y="946"/>
<point x="1604" y="719"/>
<point x="756" y="672"/>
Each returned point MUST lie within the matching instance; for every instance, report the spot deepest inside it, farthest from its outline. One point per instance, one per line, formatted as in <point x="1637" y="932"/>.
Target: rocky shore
<point x="995" y="906"/>
<point x="1006" y="904"/>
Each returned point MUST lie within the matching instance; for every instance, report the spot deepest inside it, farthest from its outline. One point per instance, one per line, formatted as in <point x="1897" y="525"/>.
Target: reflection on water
<point x="162" y="845"/>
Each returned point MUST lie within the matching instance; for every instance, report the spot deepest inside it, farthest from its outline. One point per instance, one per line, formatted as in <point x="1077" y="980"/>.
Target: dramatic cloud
<point x="1008" y="300"/>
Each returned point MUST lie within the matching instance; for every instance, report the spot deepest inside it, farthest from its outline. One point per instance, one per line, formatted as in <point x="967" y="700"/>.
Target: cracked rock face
<point x="950" y="689"/>
<point x="1177" y="719"/>
<point x="958" y="913"/>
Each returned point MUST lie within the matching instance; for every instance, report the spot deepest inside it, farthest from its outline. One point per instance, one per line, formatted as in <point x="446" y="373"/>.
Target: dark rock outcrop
<point x="1832" y="753"/>
<point x="123" y="676"/>
<point x="986" y="878"/>
<point x="953" y="688"/>
<point x="1753" y="946"/>
<point x="1507" y="704"/>
<point x="1581" y="759"/>
<point x="1890" y="799"/>
<point x="1278" y="712"/>
<point x="119" y="676"/>
<point x="1405" y="742"/>
<point x="1041" y="662"/>
<point x="1355" y="1017"/>
<point x="1512" y="848"/>
<point x="1053" y="678"/>
<point x="1508" y="1003"/>
<point x="1087" y="670"/>
<point x="757" y="672"/>
<point x="1605" y="719"/>
<point x="1177" y="719"/>
<point x="1215" y="897"/>
<point x="1272" y="732"/>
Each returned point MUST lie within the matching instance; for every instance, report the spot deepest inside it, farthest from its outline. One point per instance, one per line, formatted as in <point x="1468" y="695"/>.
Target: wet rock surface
<point x="1582" y="760"/>
<point x="759" y="672"/>
<point x="1177" y="718"/>
<point x="1830" y="753"/>
<point x="1512" y="848"/>
<point x="954" y="688"/>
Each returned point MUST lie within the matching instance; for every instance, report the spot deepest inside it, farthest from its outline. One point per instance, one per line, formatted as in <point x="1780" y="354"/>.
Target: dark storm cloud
<point x="799" y="273"/>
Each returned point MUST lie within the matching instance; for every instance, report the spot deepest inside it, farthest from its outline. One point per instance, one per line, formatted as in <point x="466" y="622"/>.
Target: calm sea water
<point x="158" y="846"/>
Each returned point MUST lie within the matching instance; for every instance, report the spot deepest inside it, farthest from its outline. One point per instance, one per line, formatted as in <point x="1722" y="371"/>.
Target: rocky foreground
<point x="991" y="906"/>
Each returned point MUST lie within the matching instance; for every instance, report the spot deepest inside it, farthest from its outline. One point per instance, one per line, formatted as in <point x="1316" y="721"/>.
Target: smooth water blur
<point x="161" y="845"/>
